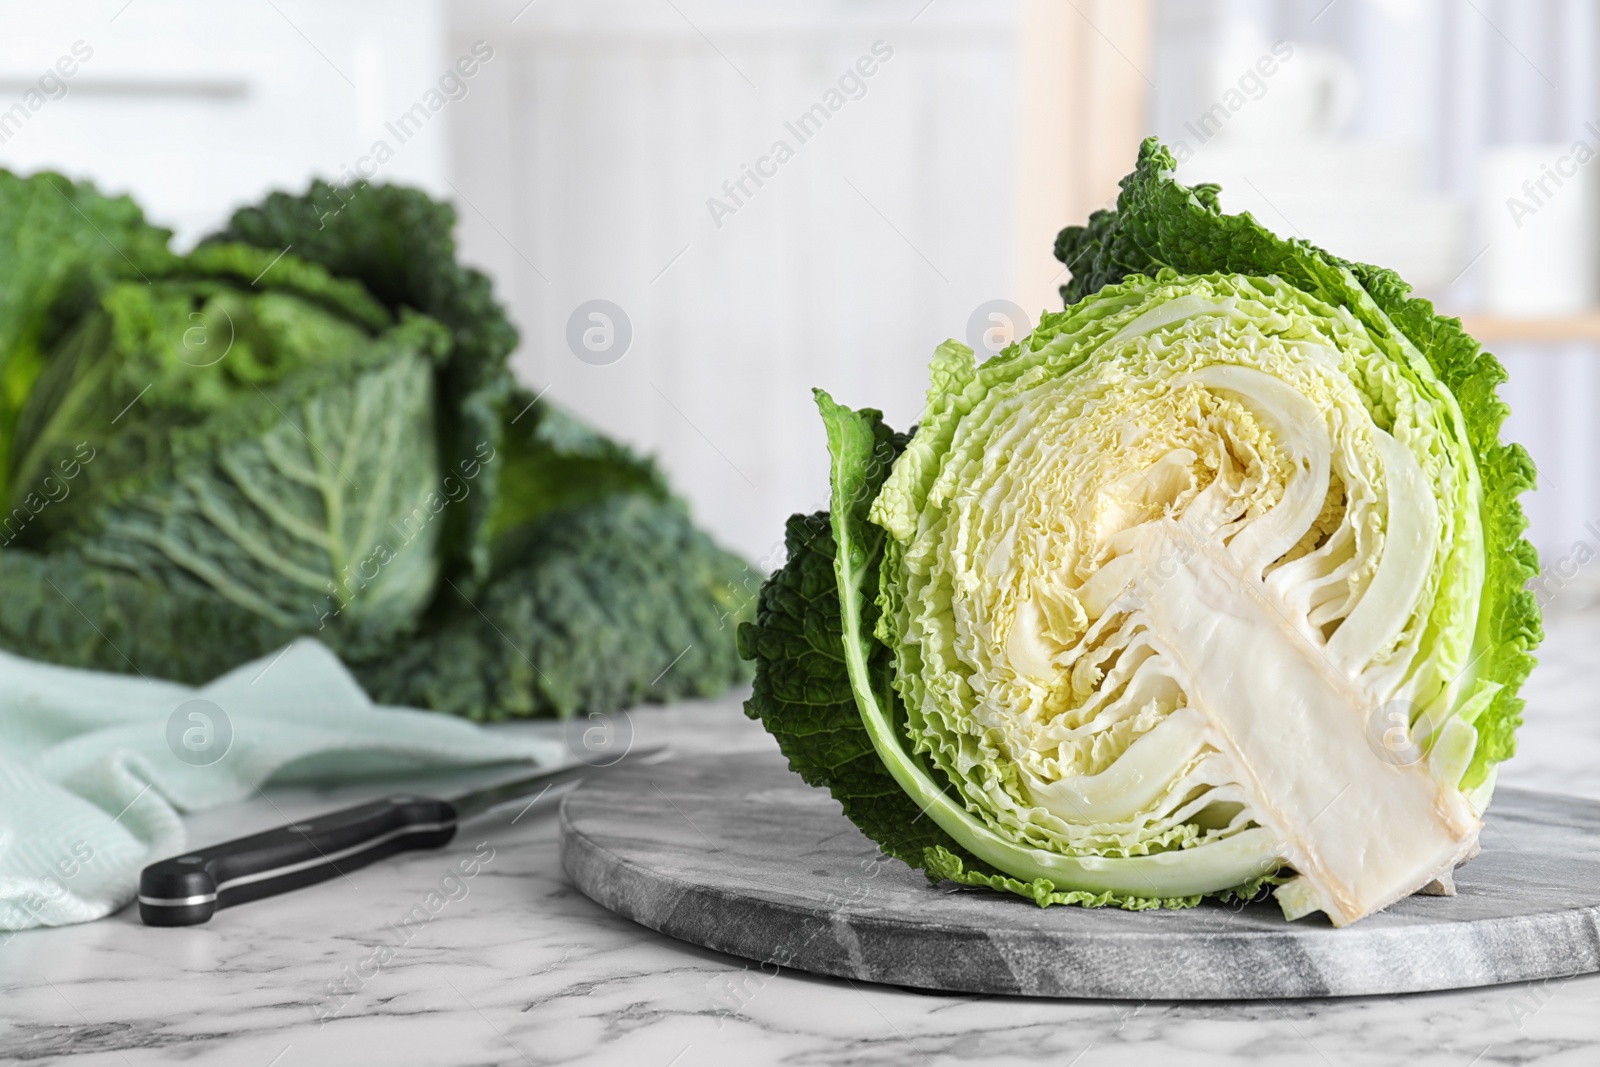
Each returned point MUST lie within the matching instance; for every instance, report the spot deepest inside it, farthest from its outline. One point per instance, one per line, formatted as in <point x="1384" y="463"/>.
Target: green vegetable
<point x="613" y="596"/>
<point x="613" y="603"/>
<point x="307" y="426"/>
<point x="400" y="245"/>
<point x="1212" y="583"/>
<point x="59" y="238"/>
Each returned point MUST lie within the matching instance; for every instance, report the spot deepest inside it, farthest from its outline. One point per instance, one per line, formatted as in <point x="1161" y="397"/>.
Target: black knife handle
<point x="187" y="889"/>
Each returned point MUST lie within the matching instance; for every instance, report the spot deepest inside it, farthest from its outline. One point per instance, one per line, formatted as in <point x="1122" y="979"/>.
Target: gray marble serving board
<point x="737" y="854"/>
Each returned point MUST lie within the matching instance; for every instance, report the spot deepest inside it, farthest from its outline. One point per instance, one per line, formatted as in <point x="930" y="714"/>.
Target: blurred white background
<point x="587" y="150"/>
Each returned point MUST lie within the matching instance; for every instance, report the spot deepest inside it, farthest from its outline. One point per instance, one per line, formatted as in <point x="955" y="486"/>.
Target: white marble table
<point x="522" y="969"/>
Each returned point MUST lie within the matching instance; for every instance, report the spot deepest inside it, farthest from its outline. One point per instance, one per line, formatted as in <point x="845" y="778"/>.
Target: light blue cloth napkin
<point x="96" y="768"/>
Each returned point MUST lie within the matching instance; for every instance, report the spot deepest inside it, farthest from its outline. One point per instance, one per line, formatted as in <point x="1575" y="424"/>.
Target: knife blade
<point x="188" y="889"/>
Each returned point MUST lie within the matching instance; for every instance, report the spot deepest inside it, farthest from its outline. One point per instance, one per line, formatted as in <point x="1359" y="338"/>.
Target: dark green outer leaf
<point x="400" y="243"/>
<point x="549" y="461"/>
<point x="320" y="522"/>
<point x="57" y="238"/>
<point x="613" y="603"/>
<point x="60" y="608"/>
<point x="802" y="691"/>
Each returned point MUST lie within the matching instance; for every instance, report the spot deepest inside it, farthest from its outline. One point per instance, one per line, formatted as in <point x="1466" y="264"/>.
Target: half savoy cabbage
<point x="1215" y="583"/>
<point x="307" y="426"/>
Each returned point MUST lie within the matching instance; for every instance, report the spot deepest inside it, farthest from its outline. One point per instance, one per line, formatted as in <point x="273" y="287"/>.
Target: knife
<point x="188" y="889"/>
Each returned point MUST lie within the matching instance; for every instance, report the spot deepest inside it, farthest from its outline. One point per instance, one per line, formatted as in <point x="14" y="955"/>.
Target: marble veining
<point x="524" y="969"/>
<point x="743" y="857"/>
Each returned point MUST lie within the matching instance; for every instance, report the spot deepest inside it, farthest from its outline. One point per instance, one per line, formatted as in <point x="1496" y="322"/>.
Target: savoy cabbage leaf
<point x="58" y="239"/>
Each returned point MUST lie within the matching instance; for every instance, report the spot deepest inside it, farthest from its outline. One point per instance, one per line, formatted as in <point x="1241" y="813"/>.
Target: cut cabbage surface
<point x="1212" y="584"/>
